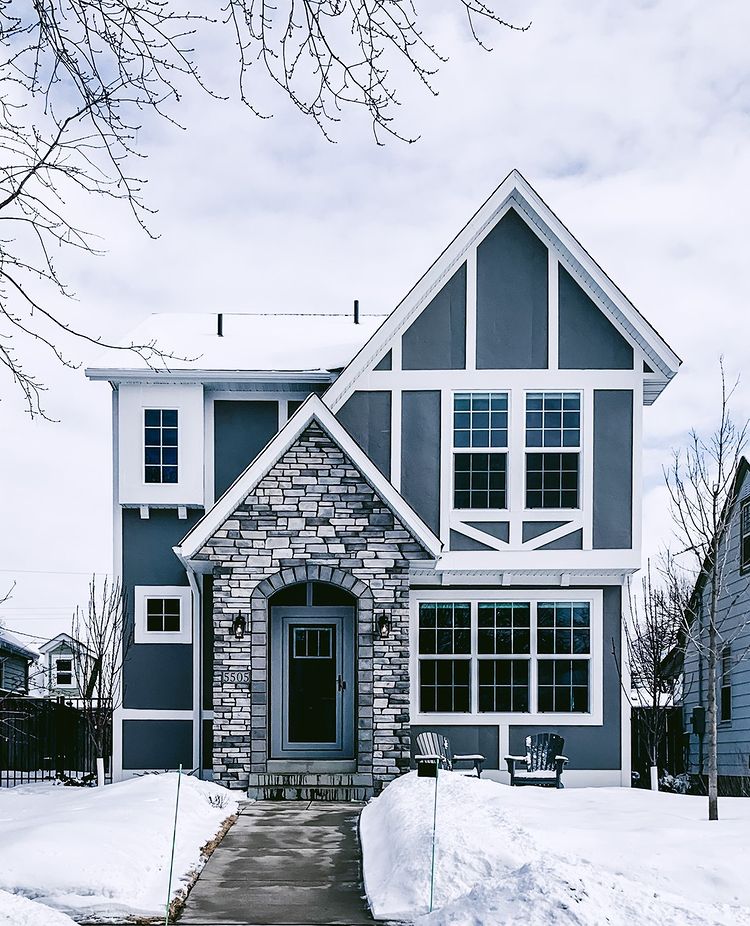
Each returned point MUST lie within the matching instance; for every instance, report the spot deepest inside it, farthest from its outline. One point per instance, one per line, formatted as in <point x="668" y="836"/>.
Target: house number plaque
<point x="236" y="678"/>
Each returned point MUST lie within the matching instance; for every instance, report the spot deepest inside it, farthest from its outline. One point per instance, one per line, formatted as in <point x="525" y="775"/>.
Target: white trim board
<point x="312" y="410"/>
<point x="513" y="191"/>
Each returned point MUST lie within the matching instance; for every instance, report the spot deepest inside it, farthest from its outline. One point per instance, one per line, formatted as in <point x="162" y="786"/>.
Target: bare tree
<point x="654" y="640"/>
<point x="78" y="78"/>
<point x="703" y="488"/>
<point x="102" y="640"/>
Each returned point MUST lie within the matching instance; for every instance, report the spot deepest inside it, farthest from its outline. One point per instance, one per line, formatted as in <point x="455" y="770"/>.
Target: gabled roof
<point x="314" y="344"/>
<point x="62" y="639"/>
<point x="10" y="643"/>
<point x="312" y="410"/>
<point x="516" y="191"/>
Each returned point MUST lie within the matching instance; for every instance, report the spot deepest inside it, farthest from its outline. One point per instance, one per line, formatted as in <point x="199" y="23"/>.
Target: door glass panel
<point x="312" y="683"/>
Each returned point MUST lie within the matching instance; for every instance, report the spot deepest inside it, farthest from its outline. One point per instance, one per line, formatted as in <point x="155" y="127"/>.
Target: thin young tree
<point x="78" y="79"/>
<point x="702" y="486"/>
<point x="103" y="638"/>
<point x="654" y="641"/>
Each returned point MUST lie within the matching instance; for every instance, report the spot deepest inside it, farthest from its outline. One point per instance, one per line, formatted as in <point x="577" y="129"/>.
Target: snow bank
<point x="18" y="911"/>
<point x="581" y="857"/>
<point x="104" y="852"/>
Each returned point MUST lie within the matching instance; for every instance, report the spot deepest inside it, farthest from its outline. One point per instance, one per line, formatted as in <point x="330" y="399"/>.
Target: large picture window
<point x="553" y="444"/>
<point x="480" y="427"/>
<point x="524" y="657"/>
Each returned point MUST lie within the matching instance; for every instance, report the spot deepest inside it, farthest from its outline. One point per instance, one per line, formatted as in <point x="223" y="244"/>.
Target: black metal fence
<point x="42" y="739"/>
<point x="672" y="751"/>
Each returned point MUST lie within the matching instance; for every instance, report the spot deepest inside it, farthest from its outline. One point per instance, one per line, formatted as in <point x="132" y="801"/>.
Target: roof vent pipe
<point x="220" y="325"/>
<point x="356" y="311"/>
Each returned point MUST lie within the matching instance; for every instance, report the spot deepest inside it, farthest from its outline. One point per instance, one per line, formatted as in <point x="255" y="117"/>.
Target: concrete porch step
<point x="310" y="786"/>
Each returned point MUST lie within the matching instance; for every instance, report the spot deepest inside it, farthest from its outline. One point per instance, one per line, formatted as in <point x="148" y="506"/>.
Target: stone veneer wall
<point x="313" y="516"/>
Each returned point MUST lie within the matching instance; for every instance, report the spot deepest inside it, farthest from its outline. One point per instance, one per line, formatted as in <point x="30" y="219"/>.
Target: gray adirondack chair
<point x="434" y="752"/>
<point x="543" y="763"/>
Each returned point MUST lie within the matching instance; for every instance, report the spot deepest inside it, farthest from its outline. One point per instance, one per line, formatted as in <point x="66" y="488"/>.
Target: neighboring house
<point x="733" y="670"/>
<point x="16" y="658"/>
<point x="334" y="535"/>
<point x="61" y="675"/>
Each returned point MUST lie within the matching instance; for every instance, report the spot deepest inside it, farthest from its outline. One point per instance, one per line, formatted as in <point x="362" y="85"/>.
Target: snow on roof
<point x="10" y="642"/>
<point x="279" y="342"/>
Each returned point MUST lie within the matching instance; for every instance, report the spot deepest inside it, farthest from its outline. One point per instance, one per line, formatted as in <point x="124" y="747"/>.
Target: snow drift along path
<point x="104" y="852"/>
<point x="18" y="911"/>
<point x="579" y="857"/>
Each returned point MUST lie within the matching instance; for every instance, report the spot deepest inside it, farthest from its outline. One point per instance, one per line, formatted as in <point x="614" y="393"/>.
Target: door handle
<point x="341" y="683"/>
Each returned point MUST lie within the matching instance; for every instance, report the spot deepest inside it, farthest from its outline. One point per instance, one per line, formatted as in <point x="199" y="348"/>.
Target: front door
<point x="312" y="682"/>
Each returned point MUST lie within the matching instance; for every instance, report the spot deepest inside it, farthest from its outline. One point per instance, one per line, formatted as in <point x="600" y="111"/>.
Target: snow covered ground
<point x="576" y="857"/>
<point x="102" y="852"/>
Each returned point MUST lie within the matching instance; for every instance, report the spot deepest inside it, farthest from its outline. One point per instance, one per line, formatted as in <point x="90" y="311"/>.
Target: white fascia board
<point x="311" y="410"/>
<point x="517" y="189"/>
<point x="114" y="375"/>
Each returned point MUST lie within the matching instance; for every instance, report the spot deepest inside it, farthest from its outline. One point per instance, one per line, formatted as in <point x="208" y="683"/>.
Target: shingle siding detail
<point x="312" y="517"/>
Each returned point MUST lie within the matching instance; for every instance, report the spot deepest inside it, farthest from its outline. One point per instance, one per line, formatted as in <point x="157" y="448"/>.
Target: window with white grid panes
<point x="553" y="443"/>
<point x="505" y="657"/>
<point x="480" y="429"/>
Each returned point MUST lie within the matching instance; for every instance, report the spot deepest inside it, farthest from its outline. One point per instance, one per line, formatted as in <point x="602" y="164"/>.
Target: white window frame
<point x="557" y="513"/>
<point x="159" y="408"/>
<point x="594" y="716"/>
<point x="68" y="658"/>
<point x="142" y="594"/>
<point x="480" y="513"/>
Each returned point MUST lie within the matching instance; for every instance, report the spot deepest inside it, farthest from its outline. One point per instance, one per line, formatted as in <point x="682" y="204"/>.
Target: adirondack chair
<point x="543" y="763"/>
<point x="434" y="752"/>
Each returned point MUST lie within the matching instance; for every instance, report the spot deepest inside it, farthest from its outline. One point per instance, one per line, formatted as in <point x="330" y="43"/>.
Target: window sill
<point x="479" y="720"/>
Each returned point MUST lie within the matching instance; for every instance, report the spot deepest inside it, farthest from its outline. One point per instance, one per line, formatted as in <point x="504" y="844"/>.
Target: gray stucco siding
<point x="459" y="541"/>
<point x="470" y="739"/>
<point x="512" y="297"/>
<point x="587" y="338"/>
<point x="367" y="417"/>
<point x="591" y="747"/>
<point x="613" y="469"/>
<point x="157" y="744"/>
<point x="156" y="675"/>
<point x="572" y="541"/>
<point x="420" y="461"/>
<point x="436" y="339"/>
<point x="533" y="529"/>
<point x="241" y="430"/>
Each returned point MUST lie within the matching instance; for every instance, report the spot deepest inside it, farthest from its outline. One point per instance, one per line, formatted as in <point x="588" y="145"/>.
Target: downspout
<point x="197" y="663"/>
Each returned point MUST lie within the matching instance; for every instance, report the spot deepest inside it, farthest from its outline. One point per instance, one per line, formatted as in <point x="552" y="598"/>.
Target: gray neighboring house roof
<point x="10" y="643"/>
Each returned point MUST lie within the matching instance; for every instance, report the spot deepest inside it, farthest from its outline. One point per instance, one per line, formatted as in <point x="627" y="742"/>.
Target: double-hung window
<point x="480" y="441"/>
<point x="64" y="672"/>
<point x="160" y="428"/>
<point x="725" y="685"/>
<point x="745" y="534"/>
<point x="553" y="449"/>
<point x="516" y="657"/>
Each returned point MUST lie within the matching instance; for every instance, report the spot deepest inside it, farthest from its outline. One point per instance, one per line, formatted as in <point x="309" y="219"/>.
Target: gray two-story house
<point x="733" y="666"/>
<point x="335" y="532"/>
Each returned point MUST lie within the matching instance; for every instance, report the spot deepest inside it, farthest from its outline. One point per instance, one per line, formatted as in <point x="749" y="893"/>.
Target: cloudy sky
<point x="630" y="117"/>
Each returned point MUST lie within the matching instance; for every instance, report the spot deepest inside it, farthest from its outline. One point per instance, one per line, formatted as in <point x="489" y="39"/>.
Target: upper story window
<point x="480" y="428"/>
<point x="745" y="534"/>
<point x="505" y="657"/>
<point x="553" y="445"/>
<point x="163" y="615"/>
<point x="160" y="445"/>
<point x="64" y="672"/>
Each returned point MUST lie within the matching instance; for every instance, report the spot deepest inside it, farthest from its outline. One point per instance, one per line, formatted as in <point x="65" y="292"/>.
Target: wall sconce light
<point x="384" y="626"/>
<point x="238" y="627"/>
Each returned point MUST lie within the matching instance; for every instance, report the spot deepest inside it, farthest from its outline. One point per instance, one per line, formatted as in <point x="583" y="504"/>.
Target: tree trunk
<point x="711" y="712"/>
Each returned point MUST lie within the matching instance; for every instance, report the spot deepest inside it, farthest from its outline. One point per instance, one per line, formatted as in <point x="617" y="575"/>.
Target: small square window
<point x="479" y="480"/>
<point x="553" y="419"/>
<point x="163" y="615"/>
<point x="480" y="419"/>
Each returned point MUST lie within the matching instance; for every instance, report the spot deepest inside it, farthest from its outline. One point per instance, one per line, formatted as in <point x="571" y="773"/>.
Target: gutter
<point x="196" y="599"/>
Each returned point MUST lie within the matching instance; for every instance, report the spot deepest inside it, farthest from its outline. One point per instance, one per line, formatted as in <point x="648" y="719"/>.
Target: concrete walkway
<point x="290" y="863"/>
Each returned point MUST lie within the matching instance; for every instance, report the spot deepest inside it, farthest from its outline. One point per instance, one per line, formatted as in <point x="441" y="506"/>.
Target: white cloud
<point x="631" y="120"/>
